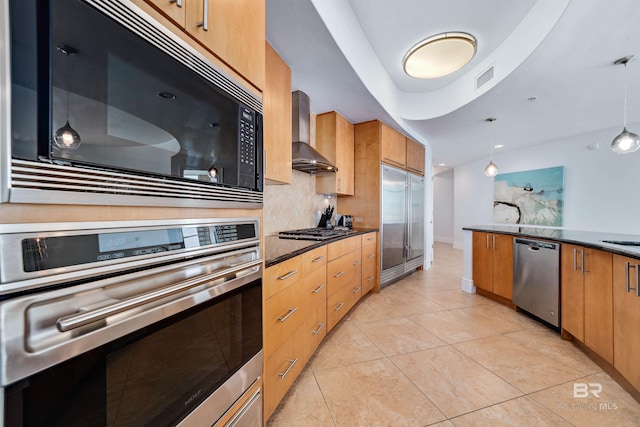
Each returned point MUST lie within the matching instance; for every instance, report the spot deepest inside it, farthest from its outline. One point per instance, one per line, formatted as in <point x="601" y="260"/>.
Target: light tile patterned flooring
<point x="423" y="353"/>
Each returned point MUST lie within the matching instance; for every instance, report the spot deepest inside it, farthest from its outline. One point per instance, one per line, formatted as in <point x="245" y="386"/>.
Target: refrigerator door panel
<point x="416" y="216"/>
<point x="394" y="214"/>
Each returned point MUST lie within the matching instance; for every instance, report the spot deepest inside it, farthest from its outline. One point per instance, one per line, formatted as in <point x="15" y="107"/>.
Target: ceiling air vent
<point x="484" y="77"/>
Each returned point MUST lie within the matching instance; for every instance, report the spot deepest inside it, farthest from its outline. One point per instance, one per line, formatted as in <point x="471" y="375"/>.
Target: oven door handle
<point x="74" y="321"/>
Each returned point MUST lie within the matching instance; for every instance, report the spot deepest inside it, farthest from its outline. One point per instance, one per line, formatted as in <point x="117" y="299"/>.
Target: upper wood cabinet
<point x="174" y="10"/>
<point x="234" y="31"/>
<point x="277" y="119"/>
<point x="335" y="141"/>
<point x="415" y="157"/>
<point x="626" y="318"/>
<point x="586" y="297"/>
<point x="393" y="148"/>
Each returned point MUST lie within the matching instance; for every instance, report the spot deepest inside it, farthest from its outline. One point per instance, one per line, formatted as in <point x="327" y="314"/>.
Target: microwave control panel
<point x="247" y="147"/>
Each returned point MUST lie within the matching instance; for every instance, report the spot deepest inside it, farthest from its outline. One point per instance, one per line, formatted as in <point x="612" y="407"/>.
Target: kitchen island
<point x="599" y="280"/>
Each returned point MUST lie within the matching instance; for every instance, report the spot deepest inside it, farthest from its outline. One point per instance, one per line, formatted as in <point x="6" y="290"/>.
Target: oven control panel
<point x="45" y="252"/>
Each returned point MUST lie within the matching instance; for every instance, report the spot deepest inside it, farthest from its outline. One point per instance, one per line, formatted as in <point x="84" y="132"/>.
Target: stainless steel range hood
<point x="305" y="158"/>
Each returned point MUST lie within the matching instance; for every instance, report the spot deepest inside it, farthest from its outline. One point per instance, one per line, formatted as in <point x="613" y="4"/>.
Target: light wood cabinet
<point x="277" y="119"/>
<point x="234" y="31"/>
<point x="369" y="262"/>
<point x="415" y="157"/>
<point x="586" y="297"/>
<point x="493" y="263"/>
<point x="344" y="278"/>
<point x="626" y="309"/>
<point x="303" y="299"/>
<point x="174" y="10"/>
<point x="335" y="141"/>
<point x="393" y="149"/>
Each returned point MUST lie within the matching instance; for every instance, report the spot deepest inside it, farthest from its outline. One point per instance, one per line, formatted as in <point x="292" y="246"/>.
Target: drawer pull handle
<point x="177" y="2"/>
<point x="370" y="238"/>
<point x="320" y="258"/>
<point x="291" y="364"/>
<point x="371" y="256"/>
<point x="356" y="290"/>
<point x="628" y="279"/>
<point x="370" y="278"/>
<point x="356" y="263"/>
<point x="289" y="274"/>
<point x="317" y="331"/>
<point x="318" y="289"/>
<point x="338" y="307"/>
<point x="289" y="314"/>
<point x="338" y="274"/>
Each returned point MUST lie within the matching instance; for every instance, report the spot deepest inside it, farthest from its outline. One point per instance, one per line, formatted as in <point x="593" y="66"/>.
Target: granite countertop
<point x="277" y="250"/>
<point x="592" y="239"/>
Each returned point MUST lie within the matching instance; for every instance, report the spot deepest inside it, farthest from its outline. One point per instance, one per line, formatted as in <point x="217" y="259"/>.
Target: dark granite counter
<point x="590" y="239"/>
<point x="277" y="250"/>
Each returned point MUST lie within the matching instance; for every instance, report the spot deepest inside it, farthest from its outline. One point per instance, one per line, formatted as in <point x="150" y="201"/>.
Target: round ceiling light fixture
<point x="439" y="55"/>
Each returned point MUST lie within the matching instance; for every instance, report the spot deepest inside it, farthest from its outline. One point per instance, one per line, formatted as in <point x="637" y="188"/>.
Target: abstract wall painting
<point x="532" y="197"/>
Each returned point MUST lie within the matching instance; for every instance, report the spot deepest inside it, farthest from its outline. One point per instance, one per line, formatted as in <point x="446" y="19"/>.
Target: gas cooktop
<point x="313" y="233"/>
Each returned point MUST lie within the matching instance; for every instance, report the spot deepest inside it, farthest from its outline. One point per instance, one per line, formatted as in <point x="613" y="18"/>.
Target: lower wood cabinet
<point x="626" y="318"/>
<point x="493" y="263"/>
<point x="304" y="298"/>
<point x="369" y="262"/>
<point x="586" y="297"/>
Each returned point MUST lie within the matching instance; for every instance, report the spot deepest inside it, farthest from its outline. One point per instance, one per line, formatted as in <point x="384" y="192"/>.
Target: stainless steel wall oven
<point x="130" y="323"/>
<point x="103" y="105"/>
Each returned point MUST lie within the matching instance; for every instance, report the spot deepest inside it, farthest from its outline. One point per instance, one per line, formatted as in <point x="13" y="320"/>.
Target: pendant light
<point x="626" y="142"/>
<point x="66" y="137"/>
<point x="491" y="170"/>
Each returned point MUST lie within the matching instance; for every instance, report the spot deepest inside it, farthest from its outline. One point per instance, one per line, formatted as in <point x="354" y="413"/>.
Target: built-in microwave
<point x="103" y="105"/>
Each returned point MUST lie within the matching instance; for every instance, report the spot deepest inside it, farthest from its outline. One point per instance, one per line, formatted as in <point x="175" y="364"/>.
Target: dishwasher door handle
<point x="533" y="248"/>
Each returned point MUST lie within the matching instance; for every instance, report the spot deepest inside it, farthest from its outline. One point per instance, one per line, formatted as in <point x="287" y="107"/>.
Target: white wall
<point x="601" y="187"/>
<point x="443" y="190"/>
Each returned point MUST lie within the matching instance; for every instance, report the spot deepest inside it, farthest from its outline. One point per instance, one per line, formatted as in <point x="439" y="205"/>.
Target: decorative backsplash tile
<point x="290" y="207"/>
<point x="294" y="206"/>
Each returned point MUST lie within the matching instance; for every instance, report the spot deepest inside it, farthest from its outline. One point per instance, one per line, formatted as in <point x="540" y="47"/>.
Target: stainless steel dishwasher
<point x="536" y="278"/>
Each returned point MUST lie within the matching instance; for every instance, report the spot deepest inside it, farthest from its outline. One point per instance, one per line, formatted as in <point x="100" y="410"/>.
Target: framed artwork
<point x="532" y="197"/>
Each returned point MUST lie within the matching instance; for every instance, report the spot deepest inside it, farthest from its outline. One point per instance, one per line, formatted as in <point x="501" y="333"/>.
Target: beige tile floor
<point x="423" y="353"/>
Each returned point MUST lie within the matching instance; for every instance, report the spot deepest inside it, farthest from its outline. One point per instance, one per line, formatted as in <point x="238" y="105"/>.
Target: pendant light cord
<point x="625" y="96"/>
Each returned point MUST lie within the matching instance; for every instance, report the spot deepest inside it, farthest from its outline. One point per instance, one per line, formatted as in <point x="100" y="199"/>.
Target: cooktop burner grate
<point x="312" y="233"/>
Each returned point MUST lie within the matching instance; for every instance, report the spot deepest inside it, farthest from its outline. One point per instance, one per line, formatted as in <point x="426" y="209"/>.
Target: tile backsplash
<point x="296" y="205"/>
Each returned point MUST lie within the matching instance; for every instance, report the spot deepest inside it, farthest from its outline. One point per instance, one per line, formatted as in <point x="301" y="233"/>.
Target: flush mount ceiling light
<point x="626" y="142"/>
<point x="491" y="169"/>
<point x="439" y="55"/>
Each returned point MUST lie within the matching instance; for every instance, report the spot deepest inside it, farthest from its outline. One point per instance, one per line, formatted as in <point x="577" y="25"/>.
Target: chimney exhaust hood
<point x="305" y="158"/>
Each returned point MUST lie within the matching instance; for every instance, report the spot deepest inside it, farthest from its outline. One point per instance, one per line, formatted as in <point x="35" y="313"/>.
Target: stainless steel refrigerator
<point x="403" y="216"/>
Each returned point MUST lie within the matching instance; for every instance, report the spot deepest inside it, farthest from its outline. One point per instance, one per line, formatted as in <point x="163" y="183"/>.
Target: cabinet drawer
<point x="341" y="302"/>
<point x="369" y="271"/>
<point x="315" y="328"/>
<point x="281" y="369"/>
<point x="343" y="271"/>
<point x="314" y="259"/>
<point x="281" y="275"/>
<point x="314" y="292"/>
<point x="284" y="312"/>
<point x="341" y="247"/>
<point x="368" y="239"/>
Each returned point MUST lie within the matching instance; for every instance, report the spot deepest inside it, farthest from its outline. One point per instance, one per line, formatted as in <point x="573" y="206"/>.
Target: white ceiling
<point x="347" y="56"/>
